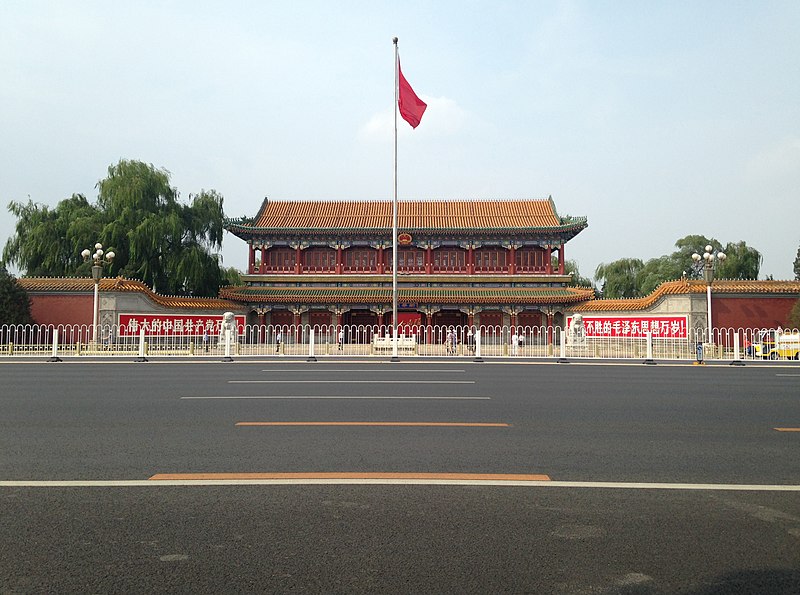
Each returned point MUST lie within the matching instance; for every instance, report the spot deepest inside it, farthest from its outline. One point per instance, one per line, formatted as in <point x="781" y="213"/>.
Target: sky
<point x="655" y="120"/>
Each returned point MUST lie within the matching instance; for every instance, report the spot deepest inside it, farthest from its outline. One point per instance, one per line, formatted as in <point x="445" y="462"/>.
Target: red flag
<point x="411" y="106"/>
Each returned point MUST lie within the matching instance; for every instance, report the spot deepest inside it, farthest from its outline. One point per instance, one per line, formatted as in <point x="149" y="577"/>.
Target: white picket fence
<point x="553" y="343"/>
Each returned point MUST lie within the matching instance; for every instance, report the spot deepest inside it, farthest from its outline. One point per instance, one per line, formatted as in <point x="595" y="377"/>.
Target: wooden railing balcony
<point x="531" y="269"/>
<point x="358" y="270"/>
<point x="319" y="269"/>
<point x="278" y="269"/>
<point x="449" y="270"/>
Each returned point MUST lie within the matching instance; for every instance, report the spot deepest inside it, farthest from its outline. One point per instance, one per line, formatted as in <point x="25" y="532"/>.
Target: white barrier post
<point x="478" y="357"/>
<point x="141" y="357"/>
<point x="649" y="359"/>
<point x="311" y="357"/>
<point x="737" y="361"/>
<point x="562" y="351"/>
<point x="54" y="357"/>
<point x="227" y="357"/>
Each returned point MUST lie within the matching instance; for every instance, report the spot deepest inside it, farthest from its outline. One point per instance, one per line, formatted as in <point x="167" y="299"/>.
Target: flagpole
<point x="394" y="212"/>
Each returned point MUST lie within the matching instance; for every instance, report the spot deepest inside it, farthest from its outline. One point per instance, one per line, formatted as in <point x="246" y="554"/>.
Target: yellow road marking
<point x="375" y="423"/>
<point x="350" y="475"/>
<point x="787" y="429"/>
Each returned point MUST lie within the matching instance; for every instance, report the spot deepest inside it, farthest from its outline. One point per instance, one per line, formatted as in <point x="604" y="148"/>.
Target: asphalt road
<point x="722" y="519"/>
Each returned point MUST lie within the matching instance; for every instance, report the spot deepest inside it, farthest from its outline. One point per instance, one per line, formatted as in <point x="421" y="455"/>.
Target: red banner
<point x="173" y="324"/>
<point x="673" y="327"/>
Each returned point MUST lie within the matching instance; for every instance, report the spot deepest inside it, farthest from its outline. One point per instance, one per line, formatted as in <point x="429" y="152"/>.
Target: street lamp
<point x="708" y="259"/>
<point x="97" y="274"/>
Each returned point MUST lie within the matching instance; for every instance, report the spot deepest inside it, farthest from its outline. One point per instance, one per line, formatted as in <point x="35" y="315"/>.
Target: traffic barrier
<point x="478" y="342"/>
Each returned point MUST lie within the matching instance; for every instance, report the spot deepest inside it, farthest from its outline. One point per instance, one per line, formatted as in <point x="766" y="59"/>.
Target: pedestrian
<point x="514" y="342"/>
<point x="278" y="341"/>
<point x="205" y="339"/>
<point x="341" y="339"/>
<point x="470" y="341"/>
<point x="110" y="339"/>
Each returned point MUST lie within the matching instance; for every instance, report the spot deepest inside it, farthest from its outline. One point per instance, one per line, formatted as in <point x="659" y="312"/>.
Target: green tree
<point x="15" y="305"/>
<point x="157" y="239"/>
<point x="797" y="266"/>
<point x="231" y="276"/>
<point x="620" y="279"/>
<point x="48" y="241"/>
<point x="741" y="262"/>
<point x="657" y="270"/>
<point x="578" y="280"/>
<point x="630" y="277"/>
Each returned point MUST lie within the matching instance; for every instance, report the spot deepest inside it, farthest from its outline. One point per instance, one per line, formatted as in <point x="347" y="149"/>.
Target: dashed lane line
<point x="383" y="398"/>
<point x="423" y="424"/>
<point x="351" y="382"/>
<point x="351" y="370"/>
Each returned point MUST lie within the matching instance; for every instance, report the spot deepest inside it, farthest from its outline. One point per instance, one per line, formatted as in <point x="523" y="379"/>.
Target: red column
<point x="549" y="261"/>
<point x="470" y="261"/>
<point x="296" y="327"/>
<point x="339" y="263"/>
<point x="381" y="265"/>
<point x="470" y="319"/>
<point x="428" y="260"/>
<point x="561" y="263"/>
<point x="512" y="266"/>
<point x="263" y="260"/>
<point x="429" y="323"/>
<point x="298" y="263"/>
<point x="251" y="260"/>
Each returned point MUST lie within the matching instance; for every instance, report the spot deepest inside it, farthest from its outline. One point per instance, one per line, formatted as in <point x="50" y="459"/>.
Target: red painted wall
<point x="58" y="309"/>
<point x="749" y="312"/>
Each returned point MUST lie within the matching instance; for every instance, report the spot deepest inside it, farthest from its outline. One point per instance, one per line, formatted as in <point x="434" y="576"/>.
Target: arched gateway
<point x="464" y="262"/>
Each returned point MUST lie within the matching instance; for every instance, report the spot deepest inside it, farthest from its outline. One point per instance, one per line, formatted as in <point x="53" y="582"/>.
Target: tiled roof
<point x="684" y="287"/>
<point x="120" y="284"/>
<point x="412" y="215"/>
<point x="383" y="295"/>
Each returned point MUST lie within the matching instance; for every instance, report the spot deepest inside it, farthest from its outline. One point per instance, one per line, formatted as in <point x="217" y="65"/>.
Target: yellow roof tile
<point x="412" y="214"/>
<point x="683" y="286"/>
<point x="85" y="284"/>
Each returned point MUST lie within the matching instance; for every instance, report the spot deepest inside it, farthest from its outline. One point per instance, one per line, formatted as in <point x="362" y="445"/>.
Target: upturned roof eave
<point x="578" y="226"/>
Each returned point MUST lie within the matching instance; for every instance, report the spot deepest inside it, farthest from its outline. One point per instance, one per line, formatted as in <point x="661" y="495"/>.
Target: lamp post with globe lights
<point x="97" y="274"/>
<point x="707" y="263"/>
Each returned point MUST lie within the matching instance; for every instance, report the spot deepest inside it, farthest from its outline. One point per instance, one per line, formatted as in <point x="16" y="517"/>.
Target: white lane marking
<point x="347" y="397"/>
<point x="351" y="370"/>
<point x="351" y="382"/>
<point x="602" y="485"/>
<point x="788" y="375"/>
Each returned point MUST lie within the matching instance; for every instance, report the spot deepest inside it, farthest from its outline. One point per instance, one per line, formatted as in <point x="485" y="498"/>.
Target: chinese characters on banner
<point x="672" y="327"/>
<point x="173" y="325"/>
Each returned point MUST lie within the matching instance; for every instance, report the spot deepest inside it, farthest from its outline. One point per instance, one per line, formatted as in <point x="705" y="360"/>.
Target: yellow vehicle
<point x="777" y="344"/>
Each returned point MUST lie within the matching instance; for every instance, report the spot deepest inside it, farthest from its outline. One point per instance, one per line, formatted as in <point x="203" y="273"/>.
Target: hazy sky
<point x="653" y="119"/>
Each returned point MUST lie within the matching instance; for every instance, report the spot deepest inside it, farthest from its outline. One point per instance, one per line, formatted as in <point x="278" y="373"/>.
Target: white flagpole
<point x="394" y="209"/>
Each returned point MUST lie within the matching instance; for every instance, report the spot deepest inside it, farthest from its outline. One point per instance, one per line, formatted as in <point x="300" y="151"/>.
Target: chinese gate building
<point x="462" y="262"/>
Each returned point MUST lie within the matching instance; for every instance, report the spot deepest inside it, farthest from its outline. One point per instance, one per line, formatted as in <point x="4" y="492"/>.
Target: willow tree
<point x="619" y="279"/>
<point x="170" y="245"/>
<point x="15" y="305"/>
<point x="48" y="241"/>
<point x="631" y="277"/>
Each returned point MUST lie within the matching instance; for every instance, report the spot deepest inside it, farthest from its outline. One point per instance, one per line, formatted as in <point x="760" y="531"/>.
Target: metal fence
<point x="55" y="342"/>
